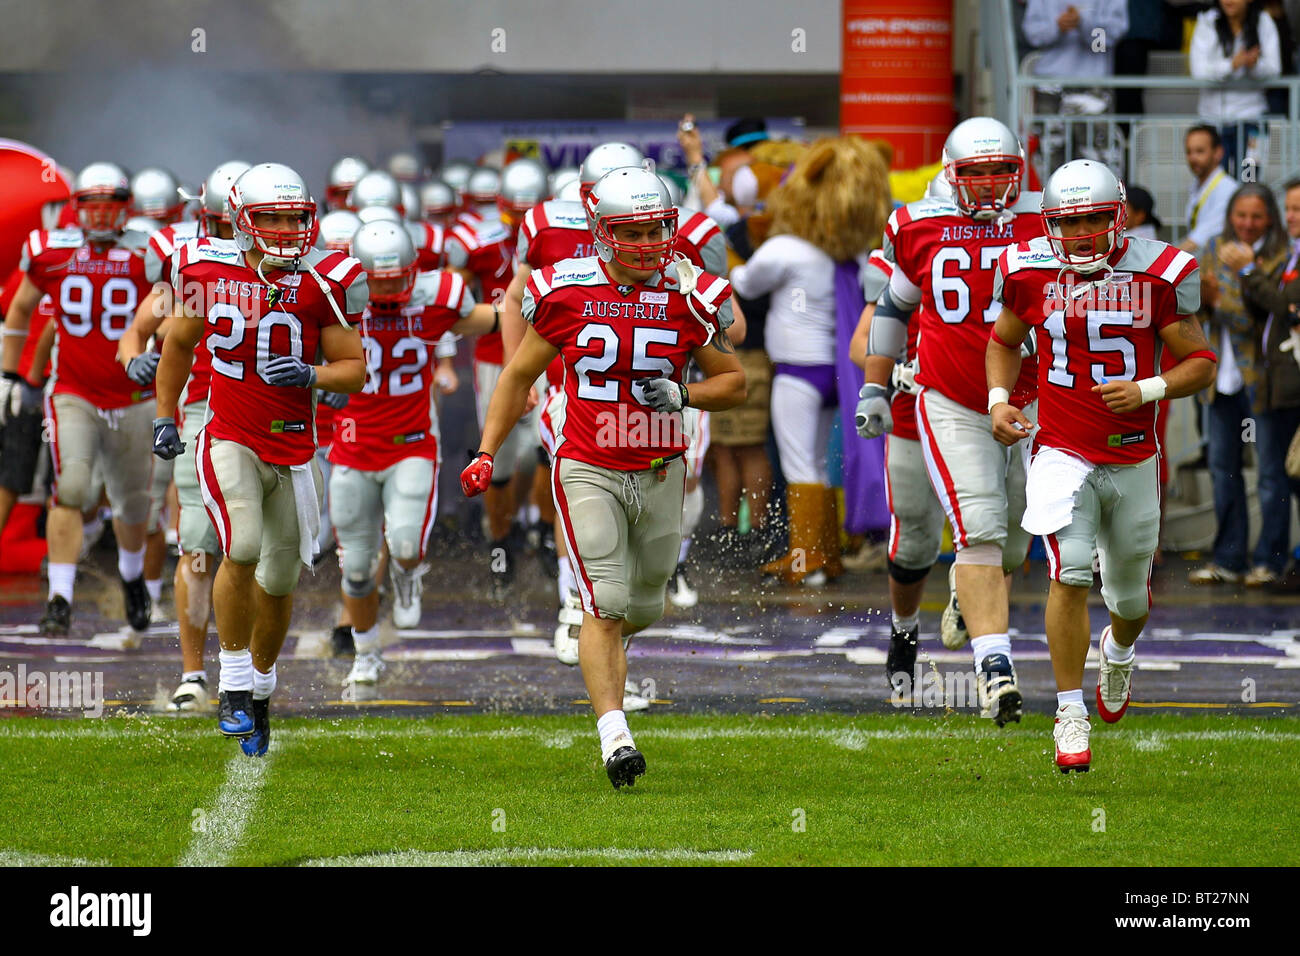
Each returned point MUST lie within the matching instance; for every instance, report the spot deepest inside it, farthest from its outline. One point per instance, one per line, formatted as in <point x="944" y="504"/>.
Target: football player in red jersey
<point x="1102" y="307"/>
<point x="626" y="329"/>
<point x="944" y="257"/>
<point x="98" y="412"/>
<point x="386" y="452"/>
<point x="197" y="538"/>
<point x="263" y="304"/>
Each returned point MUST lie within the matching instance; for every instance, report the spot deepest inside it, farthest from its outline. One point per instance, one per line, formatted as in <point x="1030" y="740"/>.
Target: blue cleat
<point x="256" y="743"/>
<point x="235" y="713"/>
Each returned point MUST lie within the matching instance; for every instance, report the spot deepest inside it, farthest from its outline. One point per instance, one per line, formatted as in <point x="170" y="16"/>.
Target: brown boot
<point x="831" y="548"/>
<point x="806" y="504"/>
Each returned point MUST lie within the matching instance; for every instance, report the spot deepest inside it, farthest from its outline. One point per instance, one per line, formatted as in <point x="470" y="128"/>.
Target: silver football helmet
<point x="523" y="185"/>
<point x="272" y="187"/>
<point x="343" y="175"/>
<point x="155" y="193"/>
<point x="456" y="174"/>
<point x="386" y="252"/>
<point x="939" y="188"/>
<point x="101" y="195"/>
<point x="977" y="141"/>
<point x="379" y="214"/>
<point x="213" y="193"/>
<point x="1081" y="187"/>
<point x="337" y="229"/>
<point x="376" y="188"/>
<point x="483" y="186"/>
<point x="437" y="199"/>
<point x="630" y="195"/>
<point x="570" y="191"/>
<point x="406" y="167"/>
<point x="562" y="177"/>
<point x="603" y="159"/>
<point x="411" y="202"/>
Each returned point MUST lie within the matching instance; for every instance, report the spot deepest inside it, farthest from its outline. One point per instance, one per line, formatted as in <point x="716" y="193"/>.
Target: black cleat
<point x="138" y="605"/>
<point x="256" y="743"/>
<point x="999" y="696"/>
<point x="235" y="713"/>
<point x="57" y="620"/>
<point x="901" y="660"/>
<point x="624" y="765"/>
<point x="341" y="641"/>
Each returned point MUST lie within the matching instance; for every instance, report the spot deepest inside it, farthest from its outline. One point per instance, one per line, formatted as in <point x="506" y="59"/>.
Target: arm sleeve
<point x="714" y="254"/>
<point x="905" y="294"/>
<point x="888" y="332"/>
<point x="1205" y="60"/>
<point x="1270" y="49"/>
<point x="1040" y="22"/>
<point x="1188" y="299"/>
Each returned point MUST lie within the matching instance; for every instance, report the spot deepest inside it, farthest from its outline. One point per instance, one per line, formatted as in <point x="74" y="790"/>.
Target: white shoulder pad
<point x="565" y="215"/>
<point x="1028" y="204"/>
<point x="211" y="249"/>
<point x="69" y="238"/>
<point x="490" y="231"/>
<point x="585" y="271"/>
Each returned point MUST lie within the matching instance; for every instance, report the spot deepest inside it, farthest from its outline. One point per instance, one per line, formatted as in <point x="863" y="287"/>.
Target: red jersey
<point x="488" y="251"/>
<point x="610" y="336"/>
<point x="41" y="317"/>
<point x="392" y="417"/>
<point x="700" y="240"/>
<point x="1107" y="334"/>
<point x="945" y="262"/>
<point x="158" y="256"/>
<point x="95" y="289"/>
<point x="429" y="239"/>
<point x="552" y="231"/>
<point x="244" y="331"/>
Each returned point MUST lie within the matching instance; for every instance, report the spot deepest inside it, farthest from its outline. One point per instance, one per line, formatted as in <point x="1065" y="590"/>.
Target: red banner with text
<point x="896" y="76"/>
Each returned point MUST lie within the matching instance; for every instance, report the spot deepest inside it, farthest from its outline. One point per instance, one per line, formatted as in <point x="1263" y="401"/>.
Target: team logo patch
<point x="624" y="289"/>
<point x="279" y="427"/>
<point x="655" y="298"/>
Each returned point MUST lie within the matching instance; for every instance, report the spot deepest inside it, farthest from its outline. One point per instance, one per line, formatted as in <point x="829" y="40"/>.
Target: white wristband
<point x="997" y="396"/>
<point x="1153" y="389"/>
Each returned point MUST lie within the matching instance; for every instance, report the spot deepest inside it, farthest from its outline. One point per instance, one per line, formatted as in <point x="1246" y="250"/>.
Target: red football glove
<point x="476" y="477"/>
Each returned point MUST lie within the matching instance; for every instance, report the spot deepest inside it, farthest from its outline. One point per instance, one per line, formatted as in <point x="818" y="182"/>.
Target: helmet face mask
<point x="155" y="193"/>
<point x="272" y="188"/>
<point x="1079" y="189"/>
<point x="214" y="217"/>
<point x="101" y="199"/>
<point x="631" y="196"/>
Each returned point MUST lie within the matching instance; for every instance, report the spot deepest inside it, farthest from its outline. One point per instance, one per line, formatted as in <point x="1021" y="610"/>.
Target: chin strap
<point x="1083" y="288"/>
<point x="687" y="278"/>
<point x="293" y="266"/>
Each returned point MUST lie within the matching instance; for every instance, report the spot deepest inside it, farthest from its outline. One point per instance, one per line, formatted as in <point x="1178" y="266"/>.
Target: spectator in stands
<point x="1253" y="239"/>
<point x="1278" y="99"/>
<point x="1235" y="40"/>
<point x="1079" y="43"/>
<point x="1142" y="219"/>
<point x="1207" y="204"/>
<point x="1271" y="295"/>
<point x="1146" y="24"/>
<point x="737" y="191"/>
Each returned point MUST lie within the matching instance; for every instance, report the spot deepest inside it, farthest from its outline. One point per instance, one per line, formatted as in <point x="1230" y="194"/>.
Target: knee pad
<point x="986" y="555"/>
<point x="404" y="542"/>
<point x="907" y="575"/>
<point x="610" y="599"/>
<point x="134" y="508"/>
<point x="74" y="486"/>
<point x="359" y="569"/>
<point x="643" y="614"/>
<point x="692" y="511"/>
<point x="277" y="573"/>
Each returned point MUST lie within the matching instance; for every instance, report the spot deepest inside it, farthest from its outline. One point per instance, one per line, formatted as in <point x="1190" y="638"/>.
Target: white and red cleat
<point x="1071" y="734"/>
<point x="1114" y="684"/>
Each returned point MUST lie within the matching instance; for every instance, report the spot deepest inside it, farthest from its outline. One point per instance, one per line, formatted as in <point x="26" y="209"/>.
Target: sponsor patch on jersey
<point x="624" y="289"/>
<point x="119" y="255"/>
<point x="219" y="254"/>
<point x="280" y="427"/>
<point x="290" y="281"/>
<point x="573" y="277"/>
<point x="655" y="298"/>
<point x="410" y="438"/>
<point x="1121" y="277"/>
<point x="1128" y="438"/>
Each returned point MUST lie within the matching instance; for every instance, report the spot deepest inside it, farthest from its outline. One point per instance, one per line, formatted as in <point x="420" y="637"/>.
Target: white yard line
<point x="222" y="826"/>
<point x="509" y="856"/>
<point x="10" y="858"/>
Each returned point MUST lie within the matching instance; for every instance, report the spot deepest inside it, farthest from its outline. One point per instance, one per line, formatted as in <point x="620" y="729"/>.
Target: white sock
<point x="906" y="623"/>
<point x="1067" y="697"/>
<point x="130" y="564"/>
<point x="982" y="647"/>
<point x="236" y="670"/>
<point x="612" y="726"/>
<point x="1114" y="653"/>
<point x="566" y="581"/>
<point x="684" y="550"/>
<point x="154" y="588"/>
<point x="193" y="675"/>
<point x="61" y="578"/>
<point x="367" y="642"/>
<point x="263" y="684"/>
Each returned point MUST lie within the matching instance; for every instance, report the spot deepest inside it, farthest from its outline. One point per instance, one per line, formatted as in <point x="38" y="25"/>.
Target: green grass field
<point x="901" y="790"/>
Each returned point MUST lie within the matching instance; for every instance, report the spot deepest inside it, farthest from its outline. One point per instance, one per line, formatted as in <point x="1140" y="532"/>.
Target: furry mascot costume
<point x="825" y="217"/>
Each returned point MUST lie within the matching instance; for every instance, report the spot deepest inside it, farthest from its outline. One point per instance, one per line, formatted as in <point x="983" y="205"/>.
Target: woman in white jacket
<point x="1236" y="40"/>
